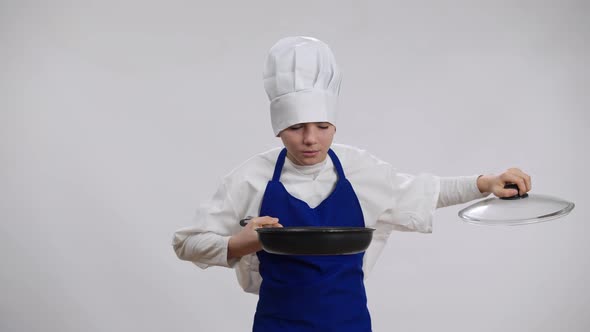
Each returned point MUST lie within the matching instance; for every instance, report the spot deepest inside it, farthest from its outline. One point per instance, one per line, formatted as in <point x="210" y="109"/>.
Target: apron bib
<point x="312" y="293"/>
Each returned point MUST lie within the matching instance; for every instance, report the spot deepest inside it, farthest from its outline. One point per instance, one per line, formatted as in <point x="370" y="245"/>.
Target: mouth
<point x="310" y="153"/>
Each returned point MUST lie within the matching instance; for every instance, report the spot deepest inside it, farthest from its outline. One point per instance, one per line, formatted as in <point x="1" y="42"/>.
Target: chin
<point x="313" y="161"/>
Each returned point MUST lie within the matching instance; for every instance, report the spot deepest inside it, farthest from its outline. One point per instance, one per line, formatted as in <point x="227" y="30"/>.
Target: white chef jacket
<point x="389" y="200"/>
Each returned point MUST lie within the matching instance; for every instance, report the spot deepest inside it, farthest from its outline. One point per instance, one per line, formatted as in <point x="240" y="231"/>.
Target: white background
<point x="118" y="117"/>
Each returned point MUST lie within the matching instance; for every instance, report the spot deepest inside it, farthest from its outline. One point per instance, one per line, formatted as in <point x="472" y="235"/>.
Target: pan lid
<point x="516" y="210"/>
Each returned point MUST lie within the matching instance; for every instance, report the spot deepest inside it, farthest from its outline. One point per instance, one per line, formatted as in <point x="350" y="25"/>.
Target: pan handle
<point x="244" y="221"/>
<point x="517" y="196"/>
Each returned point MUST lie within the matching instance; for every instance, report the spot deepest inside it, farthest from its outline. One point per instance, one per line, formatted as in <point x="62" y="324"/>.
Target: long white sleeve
<point x="458" y="190"/>
<point x="205" y="243"/>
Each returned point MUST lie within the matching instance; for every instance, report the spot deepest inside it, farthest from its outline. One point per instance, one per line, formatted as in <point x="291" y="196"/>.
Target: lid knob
<point x="517" y="196"/>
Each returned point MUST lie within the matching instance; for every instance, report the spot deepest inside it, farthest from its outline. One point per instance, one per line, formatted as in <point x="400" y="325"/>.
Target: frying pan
<point x="311" y="240"/>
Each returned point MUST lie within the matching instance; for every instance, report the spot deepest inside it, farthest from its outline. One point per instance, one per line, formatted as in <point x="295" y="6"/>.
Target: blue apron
<point x="312" y="293"/>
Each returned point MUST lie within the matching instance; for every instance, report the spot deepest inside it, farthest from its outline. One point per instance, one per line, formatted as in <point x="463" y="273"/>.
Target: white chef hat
<point x="302" y="81"/>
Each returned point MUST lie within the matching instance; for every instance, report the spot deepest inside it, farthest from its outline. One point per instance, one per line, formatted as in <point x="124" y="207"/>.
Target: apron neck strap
<point x="279" y="165"/>
<point x="337" y="164"/>
<point x="281" y="162"/>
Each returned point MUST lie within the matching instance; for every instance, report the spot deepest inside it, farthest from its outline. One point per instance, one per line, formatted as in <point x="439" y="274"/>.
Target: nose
<point x="310" y="134"/>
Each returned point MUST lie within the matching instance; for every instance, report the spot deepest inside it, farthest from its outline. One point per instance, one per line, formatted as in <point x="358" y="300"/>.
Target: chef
<point x="311" y="181"/>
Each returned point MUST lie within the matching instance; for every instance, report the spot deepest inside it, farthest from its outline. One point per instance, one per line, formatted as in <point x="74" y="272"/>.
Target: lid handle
<point x="517" y="196"/>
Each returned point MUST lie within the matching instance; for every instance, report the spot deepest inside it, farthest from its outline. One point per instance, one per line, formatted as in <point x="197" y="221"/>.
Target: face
<point x="308" y="143"/>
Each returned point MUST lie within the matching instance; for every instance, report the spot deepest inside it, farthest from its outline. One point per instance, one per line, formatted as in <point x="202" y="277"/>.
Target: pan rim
<point x="315" y="229"/>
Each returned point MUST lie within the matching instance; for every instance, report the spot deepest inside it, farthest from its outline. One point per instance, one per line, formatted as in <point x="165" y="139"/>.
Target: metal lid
<point x="516" y="210"/>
